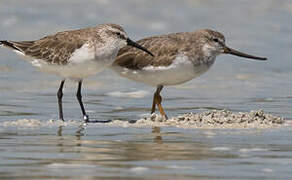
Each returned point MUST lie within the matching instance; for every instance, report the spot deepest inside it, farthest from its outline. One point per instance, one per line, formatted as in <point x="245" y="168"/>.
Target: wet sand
<point x="216" y="119"/>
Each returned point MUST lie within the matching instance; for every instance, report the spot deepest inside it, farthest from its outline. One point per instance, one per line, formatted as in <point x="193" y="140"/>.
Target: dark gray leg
<point x="79" y="97"/>
<point x="153" y="103"/>
<point x="60" y="95"/>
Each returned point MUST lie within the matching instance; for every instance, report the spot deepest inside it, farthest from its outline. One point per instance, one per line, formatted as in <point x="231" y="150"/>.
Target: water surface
<point x="75" y="151"/>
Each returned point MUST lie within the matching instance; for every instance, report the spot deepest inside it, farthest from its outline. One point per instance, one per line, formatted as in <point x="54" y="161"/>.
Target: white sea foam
<point x="180" y="167"/>
<point x="138" y="169"/>
<point x="221" y="149"/>
<point x="63" y="165"/>
<point x="133" y="94"/>
<point x="33" y="123"/>
<point x="246" y="150"/>
<point x="268" y="170"/>
<point x="205" y="120"/>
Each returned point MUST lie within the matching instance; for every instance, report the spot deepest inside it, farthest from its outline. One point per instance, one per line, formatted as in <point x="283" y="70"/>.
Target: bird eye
<point x="118" y="33"/>
<point x="216" y="40"/>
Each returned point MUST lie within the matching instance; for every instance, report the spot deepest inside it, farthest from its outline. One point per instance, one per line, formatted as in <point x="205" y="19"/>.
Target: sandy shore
<point x="211" y="120"/>
<point x="216" y="119"/>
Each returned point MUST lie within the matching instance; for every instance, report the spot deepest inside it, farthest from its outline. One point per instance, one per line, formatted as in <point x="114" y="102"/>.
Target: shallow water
<point x="75" y="151"/>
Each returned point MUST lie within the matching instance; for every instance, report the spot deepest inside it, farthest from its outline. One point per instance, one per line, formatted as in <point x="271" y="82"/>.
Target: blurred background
<point x="261" y="27"/>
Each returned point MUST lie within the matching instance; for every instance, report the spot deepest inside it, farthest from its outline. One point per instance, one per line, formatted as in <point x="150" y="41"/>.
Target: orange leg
<point x="157" y="99"/>
<point x="161" y="110"/>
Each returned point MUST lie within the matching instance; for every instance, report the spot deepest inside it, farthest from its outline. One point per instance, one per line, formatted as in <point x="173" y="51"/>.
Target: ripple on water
<point x="221" y="149"/>
<point x="134" y="94"/>
<point x="63" y="165"/>
<point x="32" y="123"/>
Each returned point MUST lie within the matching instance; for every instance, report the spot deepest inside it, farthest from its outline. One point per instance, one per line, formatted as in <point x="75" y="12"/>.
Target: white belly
<point x="180" y="71"/>
<point x="75" y="71"/>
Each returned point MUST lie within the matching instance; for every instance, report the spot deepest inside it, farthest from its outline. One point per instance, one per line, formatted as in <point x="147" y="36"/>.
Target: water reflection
<point x="157" y="136"/>
<point x="62" y="139"/>
<point x="80" y="131"/>
<point x="99" y="150"/>
<point x="156" y="145"/>
<point x="59" y="132"/>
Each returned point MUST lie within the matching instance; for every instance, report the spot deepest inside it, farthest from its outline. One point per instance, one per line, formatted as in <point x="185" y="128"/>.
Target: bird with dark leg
<point x="60" y="96"/>
<point x="178" y="58"/>
<point x="79" y="98"/>
<point x="75" y="54"/>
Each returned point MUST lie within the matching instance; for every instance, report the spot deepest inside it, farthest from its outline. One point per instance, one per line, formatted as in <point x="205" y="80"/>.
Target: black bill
<point x="132" y="43"/>
<point x="228" y="50"/>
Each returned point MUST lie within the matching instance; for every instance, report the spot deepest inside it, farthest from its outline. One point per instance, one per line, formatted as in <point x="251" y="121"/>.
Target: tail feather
<point x="9" y="44"/>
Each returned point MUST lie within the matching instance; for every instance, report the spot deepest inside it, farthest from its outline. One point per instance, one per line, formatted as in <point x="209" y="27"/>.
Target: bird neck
<point x="108" y="51"/>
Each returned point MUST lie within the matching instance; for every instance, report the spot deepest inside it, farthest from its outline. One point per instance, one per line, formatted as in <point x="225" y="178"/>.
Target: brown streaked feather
<point x="116" y="26"/>
<point x="54" y="49"/>
<point x="165" y="49"/>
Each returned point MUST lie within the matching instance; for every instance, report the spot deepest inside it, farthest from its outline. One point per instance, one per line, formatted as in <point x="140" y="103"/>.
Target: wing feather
<point x="165" y="49"/>
<point x="55" y="49"/>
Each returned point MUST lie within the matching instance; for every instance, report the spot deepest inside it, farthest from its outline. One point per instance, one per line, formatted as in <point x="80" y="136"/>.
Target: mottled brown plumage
<point x="165" y="49"/>
<point x="55" y="49"/>
<point x="58" y="48"/>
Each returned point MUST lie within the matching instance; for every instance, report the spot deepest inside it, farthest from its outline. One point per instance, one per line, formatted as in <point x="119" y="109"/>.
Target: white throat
<point x="209" y="51"/>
